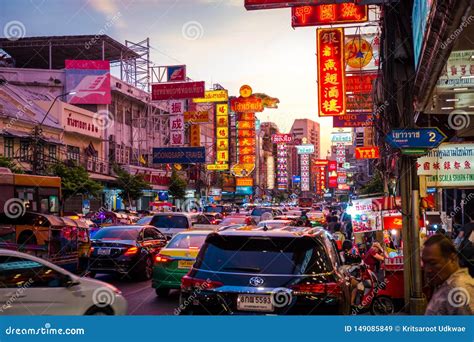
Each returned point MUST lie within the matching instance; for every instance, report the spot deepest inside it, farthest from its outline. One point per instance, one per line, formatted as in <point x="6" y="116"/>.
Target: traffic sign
<point x="416" y="138"/>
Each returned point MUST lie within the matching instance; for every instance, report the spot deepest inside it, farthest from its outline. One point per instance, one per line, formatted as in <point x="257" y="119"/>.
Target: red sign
<point x="367" y="152"/>
<point x="320" y="162"/>
<point x="331" y="87"/>
<point x="328" y="14"/>
<point x="353" y="120"/>
<point x="281" y="138"/>
<point x="392" y="222"/>
<point x="332" y="166"/>
<point x="359" y="92"/>
<point x="247" y="104"/>
<point x="170" y="91"/>
<point x="332" y="182"/>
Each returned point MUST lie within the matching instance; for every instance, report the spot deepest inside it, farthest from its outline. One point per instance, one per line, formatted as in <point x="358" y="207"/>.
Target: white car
<point x="33" y="286"/>
<point x="274" y="224"/>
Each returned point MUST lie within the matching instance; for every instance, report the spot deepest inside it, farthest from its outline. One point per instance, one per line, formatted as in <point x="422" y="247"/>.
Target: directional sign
<point x="415" y="138"/>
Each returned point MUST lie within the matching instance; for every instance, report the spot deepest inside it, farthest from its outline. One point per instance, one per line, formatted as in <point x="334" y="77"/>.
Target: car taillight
<point x="327" y="288"/>
<point x="131" y="251"/>
<point x="91" y="249"/>
<point x="162" y="258"/>
<point x="190" y="282"/>
<point x="213" y="222"/>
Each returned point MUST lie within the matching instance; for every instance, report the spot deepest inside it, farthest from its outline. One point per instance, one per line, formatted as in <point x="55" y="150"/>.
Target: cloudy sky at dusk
<point x="218" y="40"/>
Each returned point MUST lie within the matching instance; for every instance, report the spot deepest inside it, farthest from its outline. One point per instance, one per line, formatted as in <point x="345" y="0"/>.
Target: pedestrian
<point x="374" y="259"/>
<point x="349" y="253"/>
<point x="465" y="246"/>
<point x="453" y="286"/>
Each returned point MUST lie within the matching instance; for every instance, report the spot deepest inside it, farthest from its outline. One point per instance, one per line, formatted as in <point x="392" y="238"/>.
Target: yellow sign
<point x="195" y="139"/>
<point x="222" y="121"/>
<point x="213" y="96"/>
<point x="244" y="181"/>
<point x="242" y="170"/>
<point x="222" y="132"/>
<point x="222" y="109"/>
<point x="245" y="91"/>
<point x="222" y="144"/>
<point x="196" y="117"/>
<point x="217" y="167"/>
<point x="222" y="156"/>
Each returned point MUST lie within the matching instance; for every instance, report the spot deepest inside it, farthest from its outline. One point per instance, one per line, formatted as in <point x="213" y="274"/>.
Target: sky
<point x="218" y="40"/>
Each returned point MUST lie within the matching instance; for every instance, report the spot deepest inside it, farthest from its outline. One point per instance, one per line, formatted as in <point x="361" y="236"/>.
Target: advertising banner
<point x="213" y="96"/>
<point x="90" y="80"/>
<point x="195" y="138"/>
<point x="180" y="155"/>
<point x="196" y="117"/>
<point x="352" y="120"/>
<point x="364" y="219"/>
<point x="330" y="63"/>
<point x="319" y="15"/>
<point x="281" y="138"/>
<point x="304" y="159"/>
<point x="176" y="73"/>
<point x="305" y="149"/>
<point x="183" y="90"/>
<point x="367" y="152"/>
<point x="362" y="52"/>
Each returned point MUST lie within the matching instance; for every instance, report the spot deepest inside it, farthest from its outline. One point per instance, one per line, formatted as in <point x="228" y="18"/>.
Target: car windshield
<point x="273" y="224"/>
<point x="170" y="221"/>
<point x="117" y="233"/>
<point x="264" y="255"/>
<point x="186" y="241"/>
<point x="260" y="211"/>
<point x="145" y="220"/>
<point x="232" y="220"/>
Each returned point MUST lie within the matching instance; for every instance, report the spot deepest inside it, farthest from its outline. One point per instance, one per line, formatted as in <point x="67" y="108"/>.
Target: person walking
<point x="453" y="286"/>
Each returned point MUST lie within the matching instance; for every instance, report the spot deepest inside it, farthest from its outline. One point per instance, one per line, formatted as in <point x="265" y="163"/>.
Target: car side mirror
<point x="168" y="237"/>
<point x="69" y="282"/>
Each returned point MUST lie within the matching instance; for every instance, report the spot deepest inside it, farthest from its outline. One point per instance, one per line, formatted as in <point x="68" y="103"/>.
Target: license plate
<point x="254" y="303"/>
<point x="103" y="251"/>
<point x="185" y="263"/>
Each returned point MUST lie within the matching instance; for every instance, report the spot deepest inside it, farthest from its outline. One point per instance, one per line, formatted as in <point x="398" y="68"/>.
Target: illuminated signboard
<point x="282" y="166"/>
<point x="331" y="85"/>
<point x="222" y="132"/>
<point x="269" y="4"/>
<point x="344" y="137"/>
<point x="359" y="92"/>
<point x="196" y="116"/>
<point x="367" y="152"/>
<point x="320" y="162"/>
<point x="183" y="90"/>
<point x="362" y="52"/>
<point x="217" y="167"/>
<point x="176" y="109"/>
<point x="353" y="120"/>
<point x="281" y="138"/>
<point x="304" y="172"/>
<point x="195" y="138"/>
<point x="305" y="149"/>
<point x="318" y="15"/>
<point x="247" y="105"/>
<point x="244" y="181"/>
<point x="213" y="96"/>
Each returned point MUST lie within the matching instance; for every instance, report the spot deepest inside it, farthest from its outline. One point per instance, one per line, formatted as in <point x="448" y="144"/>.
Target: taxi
<point x="176" y="259"/>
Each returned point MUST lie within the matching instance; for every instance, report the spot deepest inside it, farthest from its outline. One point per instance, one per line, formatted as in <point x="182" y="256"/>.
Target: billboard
<point x="282" y="138"/>
<point x="304" y="172"/>
<point x="222" y="133"/>
<point x="305" y="149"/>
<point x="359" y="92"/>
<point x="176" y="73"/>
<point x="183" y="90"/>
<point x="367" y="152"/>
<point x="196" y="116"/>
<point x="353" y="120"/>
<point x="362" y="52"/>
<point x="318" y="15"/>
<point x="244" y="181"/>
<point x="330" y="63"/>
<point x="213" y="96"/>
<point x="180" y="155"/>
<point x="176" y="122"/>
<point x="90" y="80"/>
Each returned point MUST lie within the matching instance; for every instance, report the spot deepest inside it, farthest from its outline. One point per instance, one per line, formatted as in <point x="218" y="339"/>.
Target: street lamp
<point x="37" y="132"/>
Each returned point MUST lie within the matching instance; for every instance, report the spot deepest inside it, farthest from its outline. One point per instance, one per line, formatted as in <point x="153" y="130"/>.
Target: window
<point x="9" y="144"/>
<point x="152" y="234"/>
<point x="16" y="272"/>
<point x="24" y="148"/>
<point x="52" y="152"/>
<point x="73" y="153"/>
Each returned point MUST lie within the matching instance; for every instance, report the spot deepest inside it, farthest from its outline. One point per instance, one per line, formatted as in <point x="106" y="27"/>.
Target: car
<point x="33" y="286"/>
<point x="274" y="224"/>
<point x="172" y="223"/>
<point x="145" y="220"/>
<point x="175" y="260"/>
<point x="292" y="218"/>
<point x="208" y="218"/>
<point x="218" y="208"/>
<point x="264" y="213"/>
<point x="267" y="272"/>
<point x="125" y="250"/>
<point x="240" y="219"/>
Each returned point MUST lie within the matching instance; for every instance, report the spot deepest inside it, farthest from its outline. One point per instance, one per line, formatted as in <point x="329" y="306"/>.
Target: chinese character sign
<point x="222" y="132"/>
<point x="331" y="85"/>
<point x="176" y="130"/>
<point x="195" y="139"/>
<point x="304" y="159"/>
<point x="318" y="15"/>
<point x="282" y="167"/>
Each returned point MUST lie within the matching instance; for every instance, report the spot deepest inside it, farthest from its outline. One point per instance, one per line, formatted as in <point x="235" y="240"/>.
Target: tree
<point x="374" y="186"/>
<point x="131" y="186"/>
<point x="75" y="181"/>
<point x="10" y="164"/>
<point x="177" y="187"/>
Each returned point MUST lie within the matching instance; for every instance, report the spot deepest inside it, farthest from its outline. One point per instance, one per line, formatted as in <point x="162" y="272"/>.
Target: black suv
<point x="293" y="270"/>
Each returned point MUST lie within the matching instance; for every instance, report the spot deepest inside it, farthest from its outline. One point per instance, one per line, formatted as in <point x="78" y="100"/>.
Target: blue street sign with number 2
<point x="416" y="138"/>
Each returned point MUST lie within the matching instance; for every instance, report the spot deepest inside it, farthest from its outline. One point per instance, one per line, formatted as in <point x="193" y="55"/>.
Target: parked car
<point x="126" y="250"/>
<point x="47" y="289"/>
<point x="171" y="223"/>
<point x="176" y="259"/>
<point x="218" y="208"/>
<point x="264" y="213"/>
<point x="275" y="271"/>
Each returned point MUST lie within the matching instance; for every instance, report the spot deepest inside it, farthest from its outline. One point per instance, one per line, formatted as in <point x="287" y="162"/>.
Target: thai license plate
<point x="185" y="263"/>
<point x="103" y="251"/>
<point x="254" y="303"/>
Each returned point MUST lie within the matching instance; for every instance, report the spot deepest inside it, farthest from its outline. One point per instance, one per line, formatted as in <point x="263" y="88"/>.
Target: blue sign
<point x="420" y="14"/>
<point x="163" y="195"/>
<point x="296" y="179"/>
<point x="243" y="190"/>
<point x="179" y="155"/>
<point x="416" y="138"/>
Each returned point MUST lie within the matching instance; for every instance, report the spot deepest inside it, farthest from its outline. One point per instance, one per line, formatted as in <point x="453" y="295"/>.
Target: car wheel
<point x="96" y="311"/>
<point x="147" y="271"/>
<point x="382" y="305"/>
<point x="162" y="292"/>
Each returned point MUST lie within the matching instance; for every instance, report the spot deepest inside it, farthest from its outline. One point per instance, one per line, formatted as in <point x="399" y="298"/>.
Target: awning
<point x="15" y="133"/>
<point x="100" y="177"/>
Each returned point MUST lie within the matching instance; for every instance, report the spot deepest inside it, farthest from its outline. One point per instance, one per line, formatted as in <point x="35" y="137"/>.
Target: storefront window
<point x="8" y="147"/>
<point x="52" y="152"/>
<point x="24" y="148"/>
<point x="73" y="153"/>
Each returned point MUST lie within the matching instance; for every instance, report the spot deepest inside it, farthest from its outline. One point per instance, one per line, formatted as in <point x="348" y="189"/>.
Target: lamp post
<point x="38" y="132"/>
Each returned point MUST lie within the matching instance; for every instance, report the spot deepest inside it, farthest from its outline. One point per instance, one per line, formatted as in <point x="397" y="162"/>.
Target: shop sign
<point x="362" y="52"/>
<point x="213" y="96"/>
<point x="176" y="73"/>
<point x="196" y="116"/>
<point x="281" y="138"/>
<point x="183" y="90"/>
<point x="449" y="165"/>
<point x="243" y="190"/>
<point x="217" y="167"/>
<point x="304" y="172"/>
<point x="363" y="218"/>
<point x="458" y="71"/>
<point x="320" y="162"/>
<point x="247" y="105"/>
<point x="242" y="170"/>
<point x="89" y="80"/>
<point x="367" y="152"/>
<point x="342" y="137"/>
<point x="195" y="136"/>
<point x="305" y="149"/>
<point x="393" y="222"/>
<point x="353" y="120"/>
<point x="331" y="87"/>
<point x="81" y="123"/>
<point x="244" y="181"/>
<point x="183" y="155"/>
<point x="318" y="15"/>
